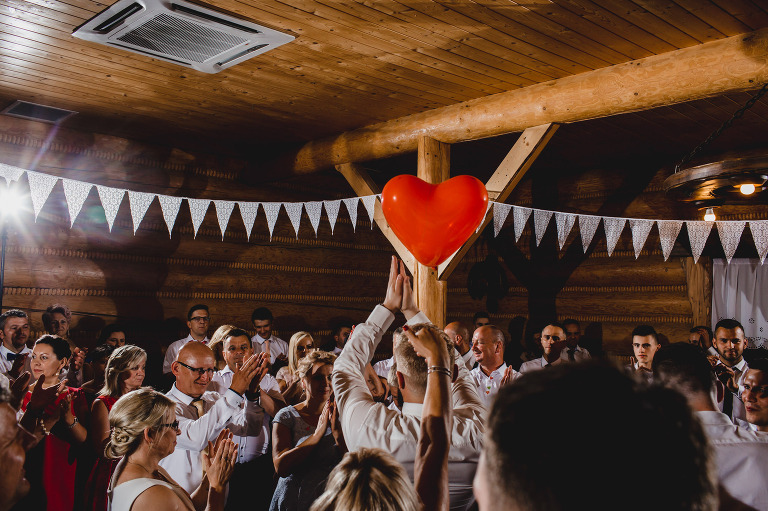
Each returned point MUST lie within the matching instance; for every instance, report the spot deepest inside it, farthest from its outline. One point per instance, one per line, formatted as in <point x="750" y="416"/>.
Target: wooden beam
<point x="506" y="177"/>
<point x="734" y="64"/>
<point x="433" y="166"/>
<point x="363" y="185"/>
<point x="698" y="278"/>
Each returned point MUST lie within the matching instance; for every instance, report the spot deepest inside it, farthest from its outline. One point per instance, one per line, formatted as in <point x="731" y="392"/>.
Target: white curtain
<point x="740" y="291"/>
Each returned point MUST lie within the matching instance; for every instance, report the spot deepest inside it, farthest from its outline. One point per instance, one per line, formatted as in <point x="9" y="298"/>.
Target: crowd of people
<point x="457" y="418"/>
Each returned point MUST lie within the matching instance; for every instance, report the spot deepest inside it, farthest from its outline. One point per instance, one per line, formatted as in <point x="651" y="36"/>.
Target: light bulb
<point x="709" y="215"/>
<point x="747" y="189"/>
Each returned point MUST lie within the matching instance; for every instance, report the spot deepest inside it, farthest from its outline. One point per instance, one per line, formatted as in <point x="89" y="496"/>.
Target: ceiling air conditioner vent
<point x="180" y="32"/>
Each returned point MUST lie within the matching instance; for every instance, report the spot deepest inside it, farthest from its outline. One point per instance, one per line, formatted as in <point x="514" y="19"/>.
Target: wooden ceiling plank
<point x="684" y="20"/>
<point x="544" y="33"/>
<point x="571" y="22"/>
<point x="713" y="15"/>
<point x="710" y="69"/>
<point x="745" y="11"/>
<point x="503" y="181"/>
<point x="363" y="185"/>
<point x="646" y="20"/>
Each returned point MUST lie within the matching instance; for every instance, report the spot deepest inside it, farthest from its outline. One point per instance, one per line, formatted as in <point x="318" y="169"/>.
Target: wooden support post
<point x="431" y="293"/>
<point x="698" y="277"/>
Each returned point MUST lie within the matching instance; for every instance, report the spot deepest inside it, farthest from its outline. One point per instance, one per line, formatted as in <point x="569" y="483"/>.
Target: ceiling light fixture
<point x="709" y="215"/>
<point x="747" y="189"/>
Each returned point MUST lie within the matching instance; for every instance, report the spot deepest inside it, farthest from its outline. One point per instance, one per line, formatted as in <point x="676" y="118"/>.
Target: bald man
<point x="202" y="414"/>
<point x="552" y="343"/>
<point x="459" y="334"/>
<point x="491" y="371"/>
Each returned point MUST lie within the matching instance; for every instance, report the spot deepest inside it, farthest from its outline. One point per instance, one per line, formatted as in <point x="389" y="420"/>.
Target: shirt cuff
<point x="233" y="398"/>
<point x="418" y="318"/>
<point x="381" y="317"/>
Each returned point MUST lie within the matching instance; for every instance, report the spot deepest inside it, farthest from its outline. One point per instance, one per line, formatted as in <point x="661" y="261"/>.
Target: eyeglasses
<point x="172" y="425"/>
<point x="203" y="319"/>
<point x="199" y="370"/>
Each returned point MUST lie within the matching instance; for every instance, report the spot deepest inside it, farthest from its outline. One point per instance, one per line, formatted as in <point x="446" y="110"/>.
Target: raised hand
<point x="77" y="360"/>
<point x="430" y="345"/>
<point x="322" y="422"/>
<point x="394" y="296"/>
<point x="19" y="388"/>
<point x="509" y="375"/>
<point x="408" y="306"/>
<point x="244" y="374"/>
<point x="219" y="462"/>
<point x="18" y="365"/>
<point x="338" y="435"/>
<point x="42" y="398"/>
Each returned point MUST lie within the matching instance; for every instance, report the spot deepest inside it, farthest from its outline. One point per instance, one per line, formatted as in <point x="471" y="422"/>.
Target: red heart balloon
<point x="433" y="221"/>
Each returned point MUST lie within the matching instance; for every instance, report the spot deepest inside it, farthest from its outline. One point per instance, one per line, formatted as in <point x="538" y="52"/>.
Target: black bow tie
<point x="11" y="356"/>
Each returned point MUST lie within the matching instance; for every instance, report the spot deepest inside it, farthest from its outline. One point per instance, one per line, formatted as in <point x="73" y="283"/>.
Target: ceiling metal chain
<point x="727" y="124"/>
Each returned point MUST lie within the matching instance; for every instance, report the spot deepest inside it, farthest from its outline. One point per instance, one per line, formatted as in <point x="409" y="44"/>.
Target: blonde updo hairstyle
<point x="122" y="360"/>
<point x="314" y="357"/>
<point x="368" y="479"/>
<point x="131" y="415"/>
<point x="293" y="344"/>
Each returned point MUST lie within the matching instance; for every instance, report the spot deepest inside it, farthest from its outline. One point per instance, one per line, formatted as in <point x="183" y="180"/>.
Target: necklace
<point x="142" y="466"/>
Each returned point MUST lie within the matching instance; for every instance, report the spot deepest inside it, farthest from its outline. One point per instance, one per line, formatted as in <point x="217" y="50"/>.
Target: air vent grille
<point x="189" y="41"/>
<point x="35" y="112"/>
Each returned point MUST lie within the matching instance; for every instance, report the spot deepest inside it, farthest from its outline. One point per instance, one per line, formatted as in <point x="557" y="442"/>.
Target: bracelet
<point x="70" y="426"/>
<point x="441" y="370"/>
<point x="42" y="426"/>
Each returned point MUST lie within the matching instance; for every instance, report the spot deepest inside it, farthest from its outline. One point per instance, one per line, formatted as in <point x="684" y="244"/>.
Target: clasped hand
<point x="399" y="291"/>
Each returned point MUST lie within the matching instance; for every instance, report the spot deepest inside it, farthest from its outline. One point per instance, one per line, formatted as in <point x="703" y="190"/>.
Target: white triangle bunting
<point x="730" y="235"/>
<point x="668" y="232"/>
<point x="369" y="201"/>
<point x="10" y="173"/>
<point x="294" y="214"/>
<point x="40" y="186"/>
<point x="111" y="198"/>
<point x="248" y="211"/>
<point x="487" y="209"/>
<point x="139" y="202"/>
<point x="564" y="223"/>
<point x="332" y="210"/>
<point x="541" y="220"/>
<point x="500" y="214"/>
<point x="197" y="210"/>
<point x="351" y="205"/>
<point x="170" y="206"/>
<point x="75" y="192"/>
<point x="588" y="227"/>
<point x="271" y="211"/>
<point x="613" y="228"/>
<point x="520" y="216"/>
<point x="759" y="230"/>
<point x="314" y="209"/>
<point x="640" y="229"/>
<point x="698" y="232"/>
<point x="224" y="210"/>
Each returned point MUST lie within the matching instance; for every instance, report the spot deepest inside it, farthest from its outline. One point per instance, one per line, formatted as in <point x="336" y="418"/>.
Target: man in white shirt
<point x="729" y="341"/>
<point x="366" y="423"/>
<point x="572" y="351"/>
<point x="14" y="333"/>
<point x="340" y="336"/>
<point x="552" y="342"/>
<point x="459" y="334"/>
<point x="491" y="371"/>
<point x="755" y="395"/>
<point x="741" y="455"/>
<point x="277" y="348"/>
<point x="202" y="415"/>
<point x="198" y="320"/>
<point x="254" y="459"/>
<point x="645" y="344"/>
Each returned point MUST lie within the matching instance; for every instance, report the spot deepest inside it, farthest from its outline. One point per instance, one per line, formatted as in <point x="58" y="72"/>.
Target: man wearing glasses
<point x="552" y="342"/>
<point x="198" y="320"/>
<point x="202" y="414"/>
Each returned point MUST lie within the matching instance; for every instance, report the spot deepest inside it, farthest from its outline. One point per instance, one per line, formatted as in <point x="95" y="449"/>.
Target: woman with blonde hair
<point x="144" y="430"/>
<point x="124" y="373"/>
<point x="306" y="438"/>
<point x="299" y="346"/>
<point x="217" y="344"/>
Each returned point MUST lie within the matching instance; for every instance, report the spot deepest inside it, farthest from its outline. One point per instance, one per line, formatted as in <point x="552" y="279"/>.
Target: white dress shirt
<point x="739" y="412"/>
<point x="382" y="367"/>
<point x="6" y="365"/>
<point x="741" y="457"/>
<point x="488" y="385"/>
<point x="578" y="354"/>
<point x="277" y="346"/>
<point x="173" y="351"/>
<point x="366" y="423"/>
<point x="469" y="359"/>
<point x="533" y="365"/>
<point x="221" y="410"/>
<point x="256" y="442"/>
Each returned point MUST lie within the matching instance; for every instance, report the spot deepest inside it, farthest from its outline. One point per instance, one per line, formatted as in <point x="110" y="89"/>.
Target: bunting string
<point x="76" y="192"/>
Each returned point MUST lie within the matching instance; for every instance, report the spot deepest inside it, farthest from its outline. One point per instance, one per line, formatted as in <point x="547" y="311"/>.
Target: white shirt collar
<point x="262" y="340"/>
<point x="4" y="351"/>
<point x="190" y="338"/>
<point x="414" y="409"/>
<point x="184" y="398"/>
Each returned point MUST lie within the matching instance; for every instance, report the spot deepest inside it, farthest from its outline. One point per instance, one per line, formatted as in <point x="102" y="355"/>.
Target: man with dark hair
<point x="755" y="394"/>
<point x="552" y="342"/>
<point x="198" y="321"/>
<point x="481" y="318"/>
<point x="340" y="335"/>
<point x="708" y="336"/>
<point x="741" y="455"/>
<point x="645" y="344"/>
<point x="491" y="371"/>
<point x="729" y="341"/>
<point x="554" y="420"/>
<point x="696" y="338"/>
<point x="277" y="348"/>
<point x="14" y="332"/>
<point x="572" y="351"/>
<point x="462" y="341"/>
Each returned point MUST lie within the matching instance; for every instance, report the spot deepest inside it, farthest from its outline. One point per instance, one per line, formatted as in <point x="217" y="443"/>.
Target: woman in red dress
<point x="124" y="373"/>
<point x="59" y="464"/>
